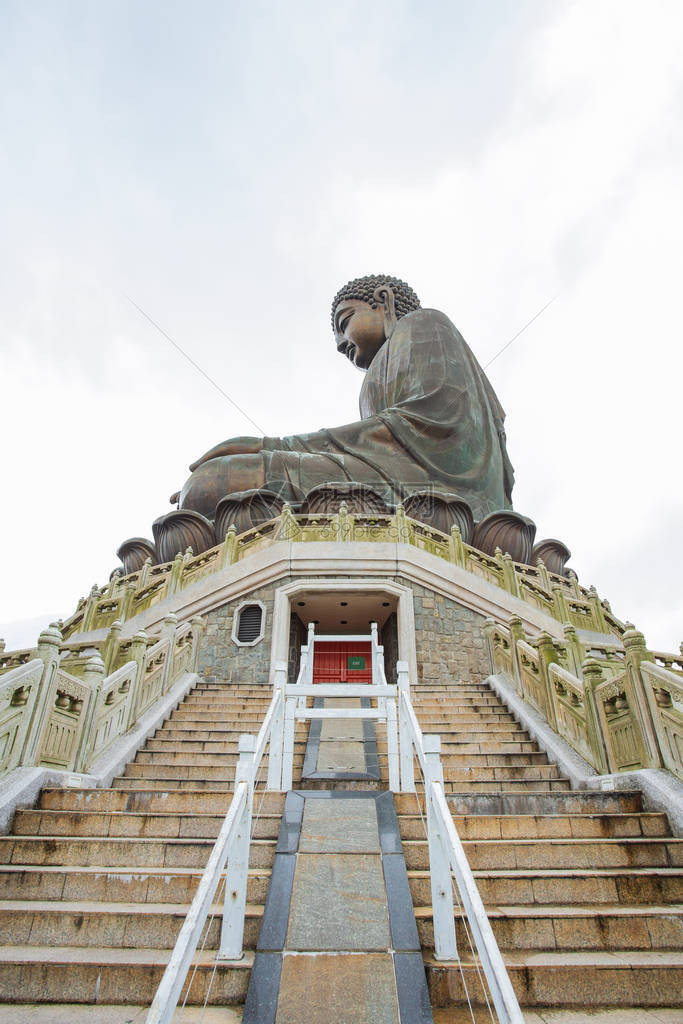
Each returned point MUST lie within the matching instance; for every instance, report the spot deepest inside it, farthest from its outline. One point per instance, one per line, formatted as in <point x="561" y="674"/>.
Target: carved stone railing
<point x="619" y="709"/>
<point x="664" y="691"/>
<point x="65" y="707"/>
<point x="557" y="596"/>
<point x="18" y="694"/>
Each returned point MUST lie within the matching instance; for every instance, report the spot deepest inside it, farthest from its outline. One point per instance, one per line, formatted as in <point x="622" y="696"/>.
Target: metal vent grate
<point x="249" y="626"/>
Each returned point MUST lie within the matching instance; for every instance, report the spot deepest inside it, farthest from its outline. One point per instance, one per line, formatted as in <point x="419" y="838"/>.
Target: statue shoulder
<point x="425" y="325"/>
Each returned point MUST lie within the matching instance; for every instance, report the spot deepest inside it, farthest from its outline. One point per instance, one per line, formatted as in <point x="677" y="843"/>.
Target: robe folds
<point x="429" y="418"/>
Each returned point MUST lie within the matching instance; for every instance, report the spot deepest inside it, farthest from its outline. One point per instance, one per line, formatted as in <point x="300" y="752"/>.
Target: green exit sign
<point x="355" y="662"/>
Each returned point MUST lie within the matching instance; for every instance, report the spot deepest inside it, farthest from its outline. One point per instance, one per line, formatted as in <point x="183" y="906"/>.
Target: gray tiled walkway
<point x="339" y="940"/>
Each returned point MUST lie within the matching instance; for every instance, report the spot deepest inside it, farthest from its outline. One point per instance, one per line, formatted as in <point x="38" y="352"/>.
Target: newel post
<point x="490" y="627"/>
<point x="232" y="931"/>
<point x="510" y="580"/>
<point x="277" y="729"/>
<point x="49" y="643"/>
<point x="405" y="740"/>
<point x="176" y="574"/>
<point x="168" y="632"/>
<point x="516" y="628"/>
<point x="137" y="652"/>
<point x="144" y="572"/>
<point x="457" y="552"/>
<point x="561" y="605"/>
<point x="574" y="648"/>
<point x="445" y="945"/>
<point x="591" y="674"/>
<point x="93" y="677"/>
<point x="288" y="524"/>
<point x="197" y="624"/>
<point x="111" y="645"/>
<point x="547" y="656"/>
<point x="636" y="652"/>
<point x="229" y="547"/>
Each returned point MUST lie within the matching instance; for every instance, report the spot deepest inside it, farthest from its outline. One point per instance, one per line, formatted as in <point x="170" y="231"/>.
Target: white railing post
<point x="303" y="673"/>
<point x="375" y="651"/>
<point x="445" y="946"/>
<point x="310" y="649"/>
<point x="277" y="732"/>
<point x="392" y="745"/>
<point x="232" y="931"/>
<point x="288" y="743"/>
<point x="406" y="743"/>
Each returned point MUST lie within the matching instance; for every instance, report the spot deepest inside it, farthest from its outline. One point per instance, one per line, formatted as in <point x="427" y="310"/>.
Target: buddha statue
<point x="429" y="417"/>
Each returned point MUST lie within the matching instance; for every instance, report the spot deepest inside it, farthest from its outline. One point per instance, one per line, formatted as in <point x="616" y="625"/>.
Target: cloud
<point x="229" y="173"/>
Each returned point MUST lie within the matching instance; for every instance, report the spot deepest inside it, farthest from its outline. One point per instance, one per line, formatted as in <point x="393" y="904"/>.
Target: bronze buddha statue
<point x="429" y="417"/>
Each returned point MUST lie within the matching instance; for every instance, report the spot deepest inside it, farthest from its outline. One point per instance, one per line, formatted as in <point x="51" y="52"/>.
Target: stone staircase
<point x="583" y="889"/>
<point x="95" y="884"/>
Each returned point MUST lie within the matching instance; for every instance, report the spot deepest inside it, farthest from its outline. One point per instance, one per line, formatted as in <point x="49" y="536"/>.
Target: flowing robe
<point x="429" y="418"/>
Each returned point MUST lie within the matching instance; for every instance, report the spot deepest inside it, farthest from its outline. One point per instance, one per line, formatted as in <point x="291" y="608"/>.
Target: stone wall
<point x="220" y="660"/>
<point x="450" y="639"/>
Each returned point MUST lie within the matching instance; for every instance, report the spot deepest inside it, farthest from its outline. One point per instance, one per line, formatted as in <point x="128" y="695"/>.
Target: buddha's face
<point x="359" y="330"/>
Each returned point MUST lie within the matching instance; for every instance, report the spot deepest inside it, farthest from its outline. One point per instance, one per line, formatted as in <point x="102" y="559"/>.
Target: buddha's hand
<point x="233" y="446"/>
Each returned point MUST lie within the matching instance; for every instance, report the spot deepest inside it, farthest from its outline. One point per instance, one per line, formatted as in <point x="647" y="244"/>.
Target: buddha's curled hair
<point x="363" y="288"/>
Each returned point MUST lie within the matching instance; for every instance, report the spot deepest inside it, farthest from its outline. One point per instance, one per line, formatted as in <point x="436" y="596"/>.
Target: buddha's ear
<point x="384" y="294"/>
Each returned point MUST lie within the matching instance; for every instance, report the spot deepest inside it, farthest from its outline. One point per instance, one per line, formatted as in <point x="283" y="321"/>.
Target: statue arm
<point x="347" y="438"/>
<point x="233" y="446"/>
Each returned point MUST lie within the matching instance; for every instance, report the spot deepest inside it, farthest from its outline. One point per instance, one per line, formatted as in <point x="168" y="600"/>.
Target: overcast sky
<point x="228" y="166"/>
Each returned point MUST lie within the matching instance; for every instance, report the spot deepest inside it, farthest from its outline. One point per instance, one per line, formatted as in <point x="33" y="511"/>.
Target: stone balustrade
<point x="63" y="705"/>
<point x="618" y="707"/>
<point x="561" y="597"/>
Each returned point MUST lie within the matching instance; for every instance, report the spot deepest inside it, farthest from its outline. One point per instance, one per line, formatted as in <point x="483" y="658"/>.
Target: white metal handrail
<point x="231" y="848"/>
<point x="446" y="855"/>
<point x="170" y="987"/>
<point x="295" y="708"/>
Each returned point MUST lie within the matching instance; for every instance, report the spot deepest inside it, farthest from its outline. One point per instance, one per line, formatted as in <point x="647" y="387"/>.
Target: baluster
<point x="406" y="743"/>
<point x="392" y="746"/>
<point x="277" y="731"/>
<point x="445" y="945"/>
<point x="288" y="743"/>
<point x="232" y="931"/>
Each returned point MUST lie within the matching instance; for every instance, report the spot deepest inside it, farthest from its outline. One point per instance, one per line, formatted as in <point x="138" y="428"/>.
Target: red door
<point x="342" y="662"/>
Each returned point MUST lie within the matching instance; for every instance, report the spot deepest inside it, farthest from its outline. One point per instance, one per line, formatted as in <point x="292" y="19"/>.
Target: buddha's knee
<point x="218" y="477"/>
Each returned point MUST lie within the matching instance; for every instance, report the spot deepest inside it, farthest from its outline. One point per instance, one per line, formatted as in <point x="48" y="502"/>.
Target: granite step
<point x="106" y="883"/>
<point x="211" y="745"/>
<point x="117" y="1013"/>
<point x="478" y="733"/>
<point x="501" y="773"/>
<point x="451" y="745"/>
<point x="120" y="852"/>
<point x="216" y="715"/>
<point x="120" y="925"/>
<point x="590" y="927"/>
<point x="627" y="978"/>
<point x="101" y="974"/>
<point x="505" y="785"/>
<point x="133" y="824"/>
<point x="481" y="1015"/>
<point x="630" y="886"/>
<point x="193" y="757"/>
<point x="516" y="854"/>
<point x="546" y="826"/>
<point x="174" y="785"/>
<point x="453" y="722"/>
<point x="150" y="801"/>
<point x="570" y="801"/>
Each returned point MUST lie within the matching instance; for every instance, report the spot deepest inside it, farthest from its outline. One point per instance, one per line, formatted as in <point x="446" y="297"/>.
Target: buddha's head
<point x="364" y="314"/>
